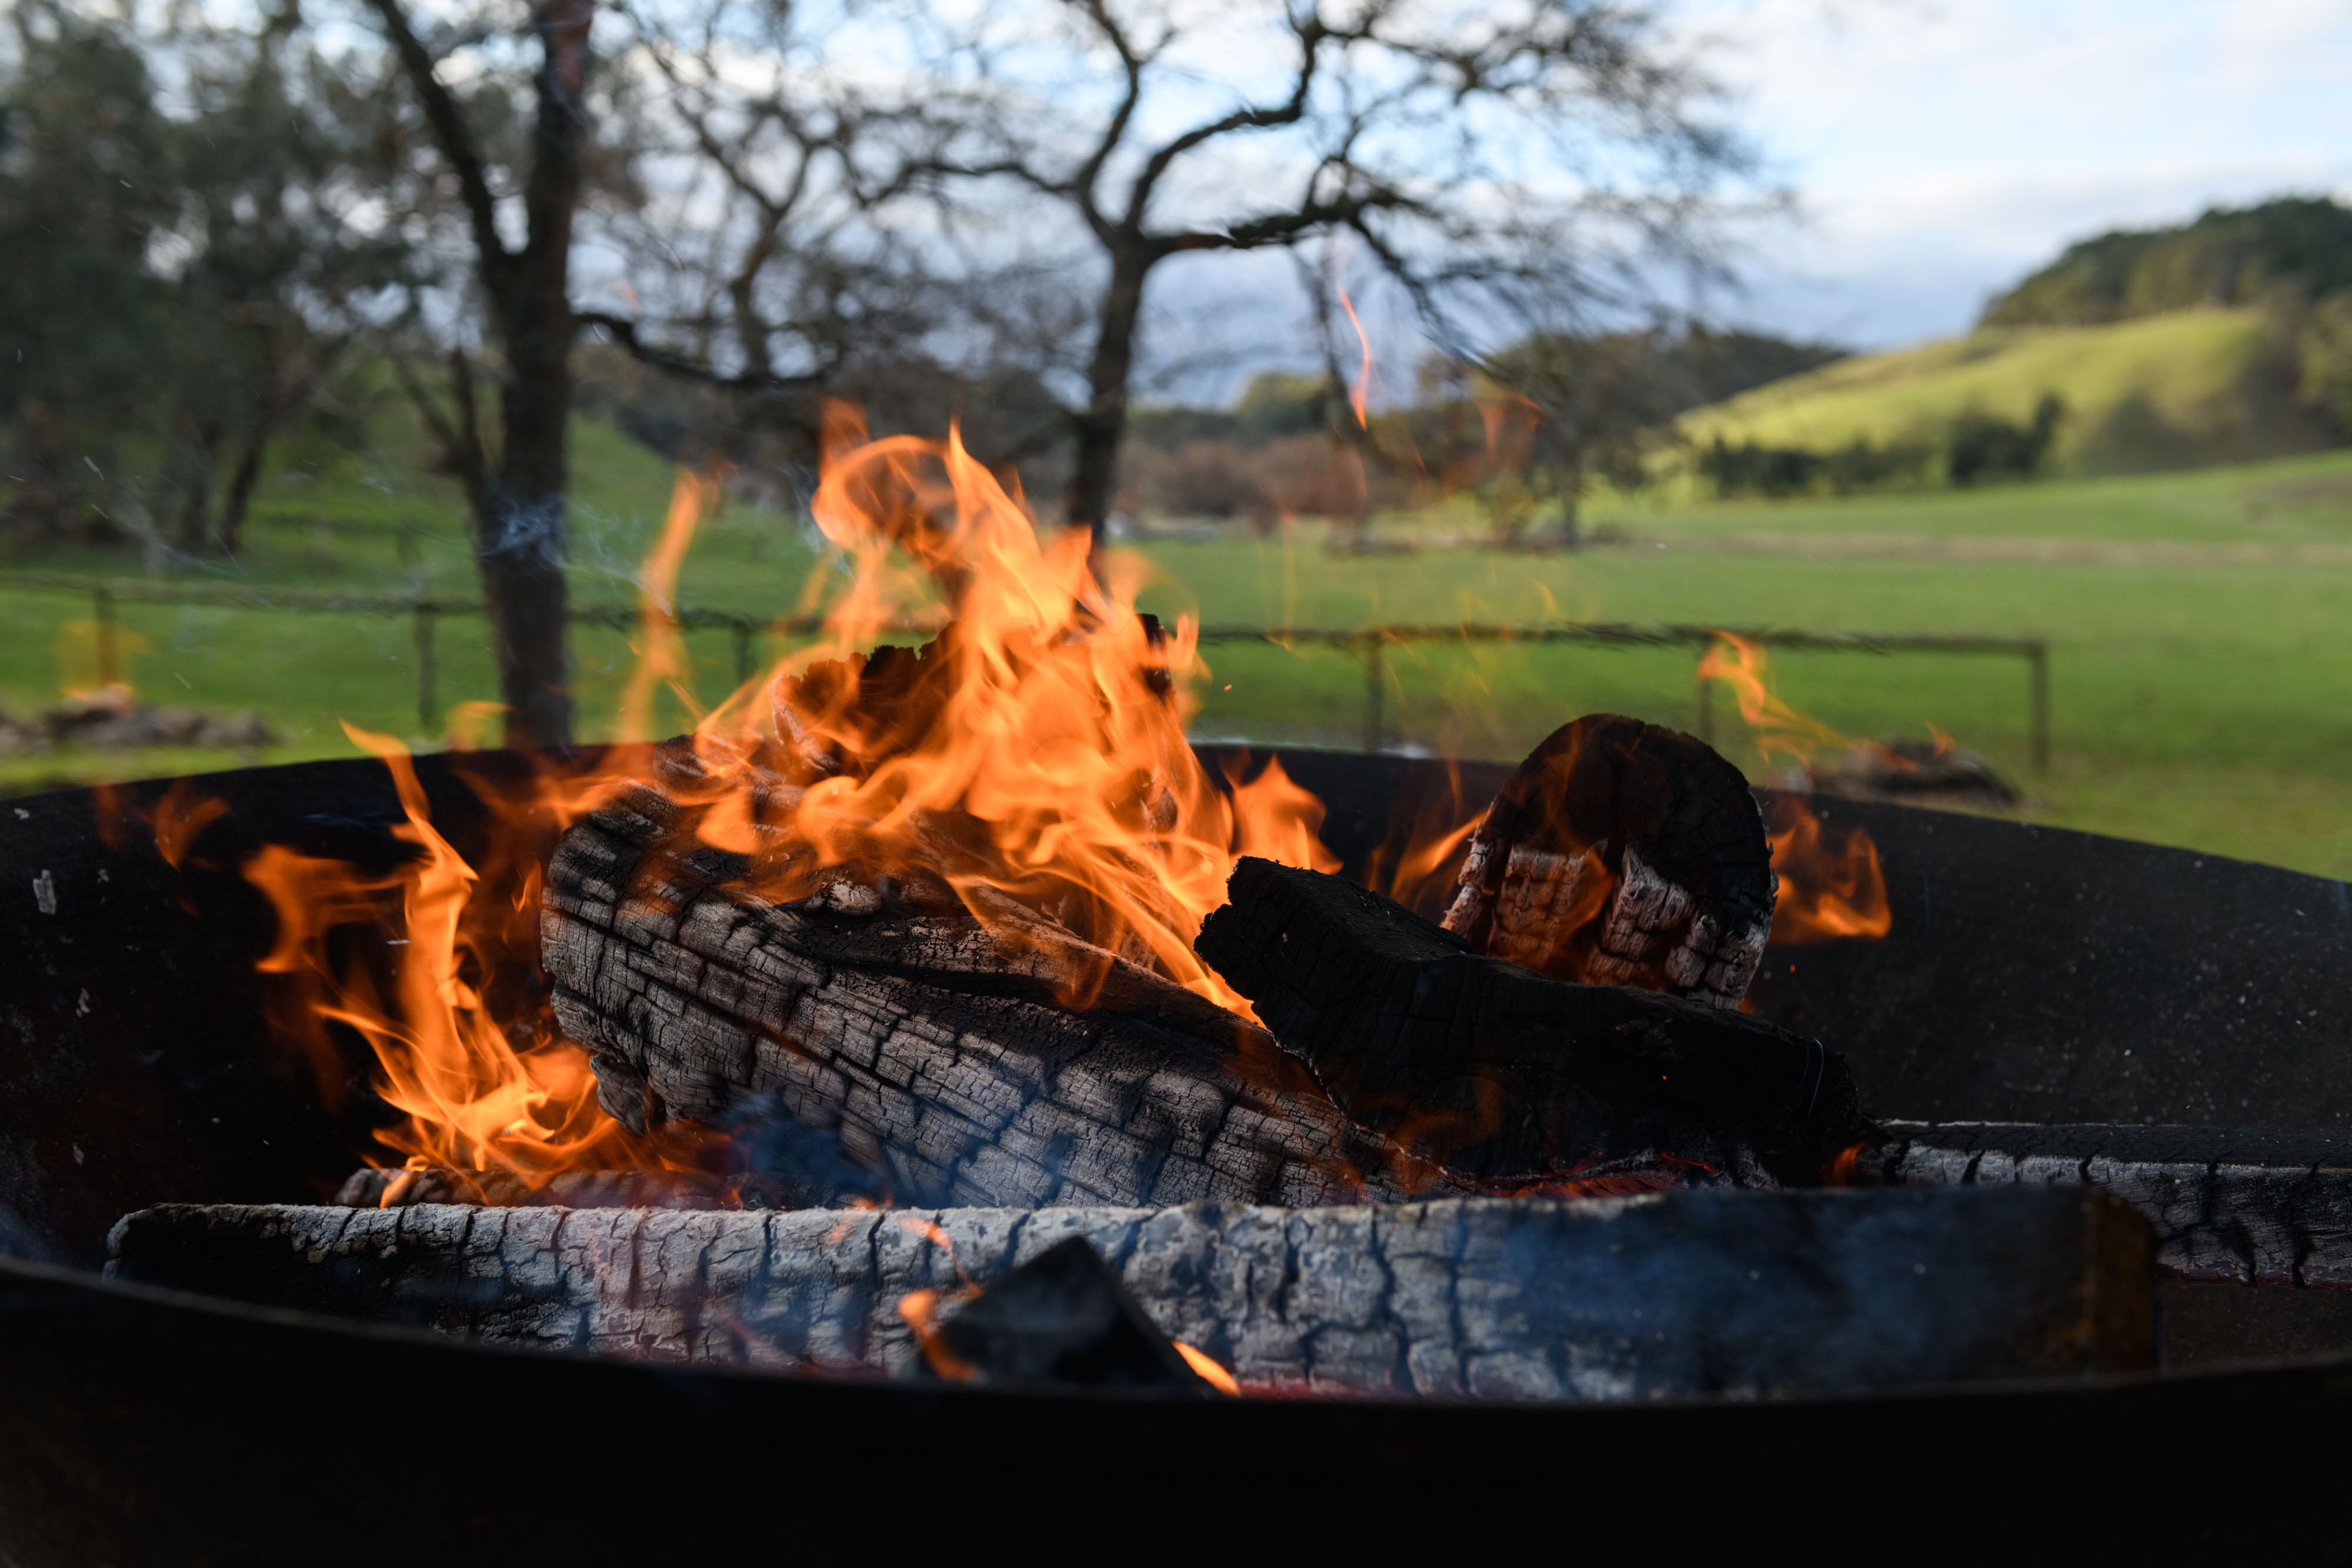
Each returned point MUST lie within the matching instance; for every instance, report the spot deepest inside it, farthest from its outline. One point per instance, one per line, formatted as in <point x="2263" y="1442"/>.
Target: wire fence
<point x="1369" y="644"/>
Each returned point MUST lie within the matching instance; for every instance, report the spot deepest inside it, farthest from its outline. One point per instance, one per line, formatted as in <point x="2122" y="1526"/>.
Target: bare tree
<point x="786" y="255"/>
<point x="515" y="485"/>
<point x="1498" y="154"/>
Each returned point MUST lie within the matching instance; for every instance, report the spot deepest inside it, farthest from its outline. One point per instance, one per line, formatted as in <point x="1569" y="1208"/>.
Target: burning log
<point x="1609" y="1298"/>
<point x="1501" y="1074"/>
<point x="941" y="1048"/>
<point x="2248" y="1205"/>
<point x="1621" y="853"/>
<point x="938" y="1050"/>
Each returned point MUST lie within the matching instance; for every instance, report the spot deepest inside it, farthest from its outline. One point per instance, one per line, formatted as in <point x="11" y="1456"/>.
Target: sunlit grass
<point x="2194" y="703"/>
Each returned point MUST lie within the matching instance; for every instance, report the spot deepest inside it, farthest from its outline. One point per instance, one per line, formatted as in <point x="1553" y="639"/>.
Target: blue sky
<point x="1943" y="148"/>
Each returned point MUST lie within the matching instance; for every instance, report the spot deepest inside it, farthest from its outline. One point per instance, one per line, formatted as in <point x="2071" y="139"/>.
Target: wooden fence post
<point x="110" y="673"/>
<point x="2037" y="659"/>
<point x="425" y="704"/>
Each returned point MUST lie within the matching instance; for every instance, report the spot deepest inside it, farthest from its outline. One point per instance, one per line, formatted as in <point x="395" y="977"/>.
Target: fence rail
<point x="1369" y="643"/>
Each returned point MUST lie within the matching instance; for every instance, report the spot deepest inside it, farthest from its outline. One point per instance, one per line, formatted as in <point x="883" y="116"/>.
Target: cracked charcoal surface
<point x="1621" y="853"/>
<point x="935" y="1053"/>
<point x="1600" y="1300"/>
<point x="1503" y="1071"/>
<point x="2252" y="1205"/>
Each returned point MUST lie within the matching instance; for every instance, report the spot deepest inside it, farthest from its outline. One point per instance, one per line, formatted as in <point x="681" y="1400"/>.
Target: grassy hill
<point x="2160" y="392"/>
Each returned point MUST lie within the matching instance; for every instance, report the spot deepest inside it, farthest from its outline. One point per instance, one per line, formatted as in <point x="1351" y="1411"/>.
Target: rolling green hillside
<point x="2160" y="392"/>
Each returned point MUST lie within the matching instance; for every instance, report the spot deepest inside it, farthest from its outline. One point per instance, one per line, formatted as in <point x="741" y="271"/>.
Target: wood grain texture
<point x="936" y="1050"/>
<point x="2249" y="1206"/>
<point x="1600" y="1300"/>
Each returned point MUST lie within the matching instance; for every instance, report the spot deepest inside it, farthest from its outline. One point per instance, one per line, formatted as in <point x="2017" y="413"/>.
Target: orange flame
<point x="1360" y="391"/>
<point x="919" y="1309"/>
<point x="1036" y="751"/>
<point x="1206" y="1365"/>
<point x="1779" y="730"/>
<point x="1740" y="663"/>
<point x="471" y="1100"/>
<point x="1825" y="893"/>
<point x="1416" y="865"/>
<point x="661" y="653"/>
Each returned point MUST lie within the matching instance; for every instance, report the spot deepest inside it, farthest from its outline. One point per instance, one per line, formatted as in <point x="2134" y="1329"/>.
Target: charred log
<point x="1605" y="1299"/>
<point x="1621" y="853"/>
<point x="942" y="1051"/>
<point x="1500" y="1073"/>
<point x="939" y="1051"/>
<point x="373" y="1188"/>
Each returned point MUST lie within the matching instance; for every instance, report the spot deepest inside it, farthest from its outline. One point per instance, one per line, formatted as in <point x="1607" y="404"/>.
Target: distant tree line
<point x="2290" y="258"/>
<point x="1527" y="430"/>
<point x="1980" y="449"/>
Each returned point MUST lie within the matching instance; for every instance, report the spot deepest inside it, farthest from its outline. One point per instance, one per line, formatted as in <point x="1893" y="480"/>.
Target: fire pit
<point x="928" y="1062"/>
<point x="142" y="1420"/>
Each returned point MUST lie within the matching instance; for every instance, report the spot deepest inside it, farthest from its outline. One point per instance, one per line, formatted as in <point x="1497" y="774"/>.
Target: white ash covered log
<point x="1614" y="1299"/>
<point x="1498" y="1072"/>
<point x="1621" y="853"/>
<point x="2249" y="1206"/>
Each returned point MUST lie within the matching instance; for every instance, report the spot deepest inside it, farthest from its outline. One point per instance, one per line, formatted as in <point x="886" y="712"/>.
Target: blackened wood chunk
<point x="1622" y="853"/>
<point x="1062" y="1317"/>
<point x="1504" y="1074"/>
<point x="845" y="714"/>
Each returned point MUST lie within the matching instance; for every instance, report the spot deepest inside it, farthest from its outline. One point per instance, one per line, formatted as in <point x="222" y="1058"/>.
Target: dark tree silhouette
<point x="517" y="494"/>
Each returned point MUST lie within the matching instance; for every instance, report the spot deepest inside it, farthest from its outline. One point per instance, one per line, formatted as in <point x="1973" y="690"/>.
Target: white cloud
<point x="1944" y="147"/>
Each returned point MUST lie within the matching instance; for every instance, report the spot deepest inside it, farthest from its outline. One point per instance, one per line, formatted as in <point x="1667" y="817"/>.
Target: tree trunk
<point x="238" y="498"/>
<point x="196" y="506"/>
<point x="520" y="534"/>
<point x="1103" y="424"/>
<point x="1571" y="499"/>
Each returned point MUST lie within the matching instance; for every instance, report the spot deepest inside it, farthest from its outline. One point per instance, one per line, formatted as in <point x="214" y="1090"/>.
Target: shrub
<point x="1984" y="447"/>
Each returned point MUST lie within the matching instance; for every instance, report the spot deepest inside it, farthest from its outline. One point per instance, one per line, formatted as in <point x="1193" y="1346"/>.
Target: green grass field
<point x="2201" y="682"/>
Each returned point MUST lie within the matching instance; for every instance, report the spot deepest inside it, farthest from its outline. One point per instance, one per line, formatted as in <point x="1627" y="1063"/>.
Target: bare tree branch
<point x="450" y="133"/>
